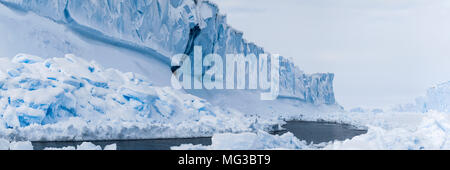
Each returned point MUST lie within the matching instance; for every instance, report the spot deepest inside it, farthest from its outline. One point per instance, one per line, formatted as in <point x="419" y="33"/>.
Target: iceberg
<point x="72" y="99"/>
<point x="143" y="27"/>
<point x="437" y="98"/>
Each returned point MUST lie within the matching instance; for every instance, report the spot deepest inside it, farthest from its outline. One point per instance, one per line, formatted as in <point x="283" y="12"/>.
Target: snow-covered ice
<point x="88" y="146"/>
<point x="110" y="147"/>
<point x="72" y="99"/>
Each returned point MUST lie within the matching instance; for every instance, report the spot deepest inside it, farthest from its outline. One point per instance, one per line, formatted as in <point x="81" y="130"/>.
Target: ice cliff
<point x="162" y="28"/>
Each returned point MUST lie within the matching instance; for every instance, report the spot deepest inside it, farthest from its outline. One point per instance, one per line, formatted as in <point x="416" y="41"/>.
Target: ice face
<point x="144" y="26"/>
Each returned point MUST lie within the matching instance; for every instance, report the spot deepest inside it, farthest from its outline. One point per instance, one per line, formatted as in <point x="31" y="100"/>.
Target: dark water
<point x="315" y="132"/>
<point x="318" y="132"/>
<point x="147" y="144"/>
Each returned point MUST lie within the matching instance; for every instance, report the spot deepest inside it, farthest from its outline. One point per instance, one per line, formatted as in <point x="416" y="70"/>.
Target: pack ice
<point x="72" y="99"/>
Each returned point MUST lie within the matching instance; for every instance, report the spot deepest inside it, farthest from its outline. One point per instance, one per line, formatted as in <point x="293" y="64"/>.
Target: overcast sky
<point x="383" y="52"/>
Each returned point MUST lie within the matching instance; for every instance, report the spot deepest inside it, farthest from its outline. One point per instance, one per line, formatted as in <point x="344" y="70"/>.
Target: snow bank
<point x="249" y="141"/>
<point x="72" y="99"/>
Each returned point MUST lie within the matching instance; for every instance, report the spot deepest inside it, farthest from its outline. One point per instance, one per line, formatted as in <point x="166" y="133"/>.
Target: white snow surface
<point x="72" y="99"/>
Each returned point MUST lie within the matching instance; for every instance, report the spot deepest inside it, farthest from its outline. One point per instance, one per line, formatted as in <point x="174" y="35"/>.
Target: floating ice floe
<point x="249" y="141"/>
<point x="16" y="145"/>
<point x="86" y="146"/>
